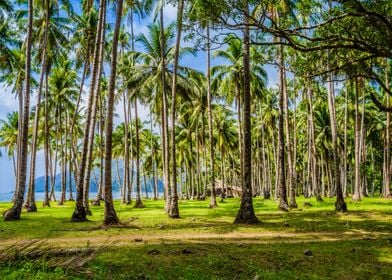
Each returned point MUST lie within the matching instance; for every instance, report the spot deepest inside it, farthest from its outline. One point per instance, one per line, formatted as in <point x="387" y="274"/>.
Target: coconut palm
<point x="143" y="71"/>
<point x="110" y="216"/>
<point x="15" y="211"/>
<point x="9" y="136"/>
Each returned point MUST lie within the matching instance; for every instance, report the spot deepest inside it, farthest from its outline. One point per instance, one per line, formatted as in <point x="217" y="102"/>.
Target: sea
<point x="39" y="196"/>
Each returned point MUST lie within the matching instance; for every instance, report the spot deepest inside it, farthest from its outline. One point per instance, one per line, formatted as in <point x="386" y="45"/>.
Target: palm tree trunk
<point x="295" y="176"/>
<point x="345" y="145"/>
<point x="153" y="167"/>
<point x="30" y="203"/>
<point x="129" y="197"/>
<point x="203" y="136"/>
<point x="246" y="212"/>
<point x="173" y="210"/>
<point x="110" y="216"/>
<point x="266" y="189"/>
<point x="362" y="148"/>
<point x="165" y="130"/>
<point x="70" y="170"/>
<point x="126" y="149"/>
<point x="387" y="166"/>
<point x="80" y="211"/>
<point x="357" y="188"/>
<point x="90" y="146"/>
<point x="340" y="205"/>
<point x="283" y="204"/>
<point x="213" y="203"/>
<point x="313" y="151"/>
<point x="138" y="202"/>
<point x="19" y="142"/>
<point x="101" y="127"/>
<point x="291" y="182"/>
<point x="15" y="211"/>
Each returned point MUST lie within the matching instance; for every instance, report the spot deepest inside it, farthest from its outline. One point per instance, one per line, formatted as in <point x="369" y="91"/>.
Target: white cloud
<point x="170" y="13"/>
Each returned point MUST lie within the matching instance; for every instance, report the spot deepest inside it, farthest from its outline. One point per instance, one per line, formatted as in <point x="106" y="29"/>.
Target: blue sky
<point x="8" y="102"/>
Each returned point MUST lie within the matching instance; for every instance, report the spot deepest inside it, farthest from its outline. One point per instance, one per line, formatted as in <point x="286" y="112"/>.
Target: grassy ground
<point x="205" y="244"/>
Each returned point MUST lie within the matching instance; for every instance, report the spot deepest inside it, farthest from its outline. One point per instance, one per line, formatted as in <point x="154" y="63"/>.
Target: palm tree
<point x="226" y="139"/>
<point x="63" y="88"/>
<point x="357" y="188"/>
<point x="15" y="211"/>
<point x="145" y="77"/>
<point x="173" y="207"/>
<point x="198" y="13"/>
<point x="227" y="78"/>
<point x="246" y="212"/>
<point x="9" y="136"/>
<point x="84" y="164"/>
<point x="126" y="69"/>
<point x="110" y="216"/>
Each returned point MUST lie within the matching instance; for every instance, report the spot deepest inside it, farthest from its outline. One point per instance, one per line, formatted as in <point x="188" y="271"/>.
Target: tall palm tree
<point x="144" y="72"/>
<point x="110" y="216"/>
<point x="15" y="211"/>
<point x="9" y="136"/>
<point x="63" y="85"/>
<point x="80" y="207"/>
<point x="246" y="212"/>
<point x="173" y="207"/>
<point x="197" y="12"/>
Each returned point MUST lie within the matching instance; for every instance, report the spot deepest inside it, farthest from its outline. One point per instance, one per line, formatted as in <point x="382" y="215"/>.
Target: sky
<point x="8" y="102"/>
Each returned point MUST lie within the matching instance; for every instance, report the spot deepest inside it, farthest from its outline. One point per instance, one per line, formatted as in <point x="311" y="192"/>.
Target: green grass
<point x="353" y="245"/>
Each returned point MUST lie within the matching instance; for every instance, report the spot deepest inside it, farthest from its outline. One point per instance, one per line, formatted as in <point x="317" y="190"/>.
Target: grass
<point x="353" y="245"/>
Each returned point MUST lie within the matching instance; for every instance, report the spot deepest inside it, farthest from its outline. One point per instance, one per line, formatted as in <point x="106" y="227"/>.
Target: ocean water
<point x="7" y="197"/>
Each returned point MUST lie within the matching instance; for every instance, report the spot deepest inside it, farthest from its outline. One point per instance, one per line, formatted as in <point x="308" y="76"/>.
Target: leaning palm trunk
<point x="15" y="211"/>
<point x="90" y="146"/>
<point x="246" y="212"/>
<point x="110" y="216"/>
<point x="80" y="212"/>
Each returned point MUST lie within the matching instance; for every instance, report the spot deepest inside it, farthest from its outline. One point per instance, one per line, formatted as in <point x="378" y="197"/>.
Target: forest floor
<point x="311" y="242"/>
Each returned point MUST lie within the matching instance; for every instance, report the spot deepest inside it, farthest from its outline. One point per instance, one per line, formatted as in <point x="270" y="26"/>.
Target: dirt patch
<point x="232" y="237"/>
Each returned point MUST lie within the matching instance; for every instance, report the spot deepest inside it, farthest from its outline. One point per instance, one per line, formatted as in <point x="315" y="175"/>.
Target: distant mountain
<point x="117" y="181"/>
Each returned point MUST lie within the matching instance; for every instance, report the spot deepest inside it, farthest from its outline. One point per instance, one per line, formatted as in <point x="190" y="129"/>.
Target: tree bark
<point x="357" y="187"/>
<point x="138" y="202"/>
<point x="246" y="214"/>
<point x="283" y="204"/>
<point x="291" y="182"/>
<point x="80" y="212"/>
<point x="15" y="211"/>
<point x="164" y="115"/>
<point x="313" y="151"/>
<point x="387" y="166"/>
<point x="173" y="209"/>
<point x="110" y="215"/>
<point x="213" y="203"/>
<point x="340" y="205"/>
<point x="30" y="203"/>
